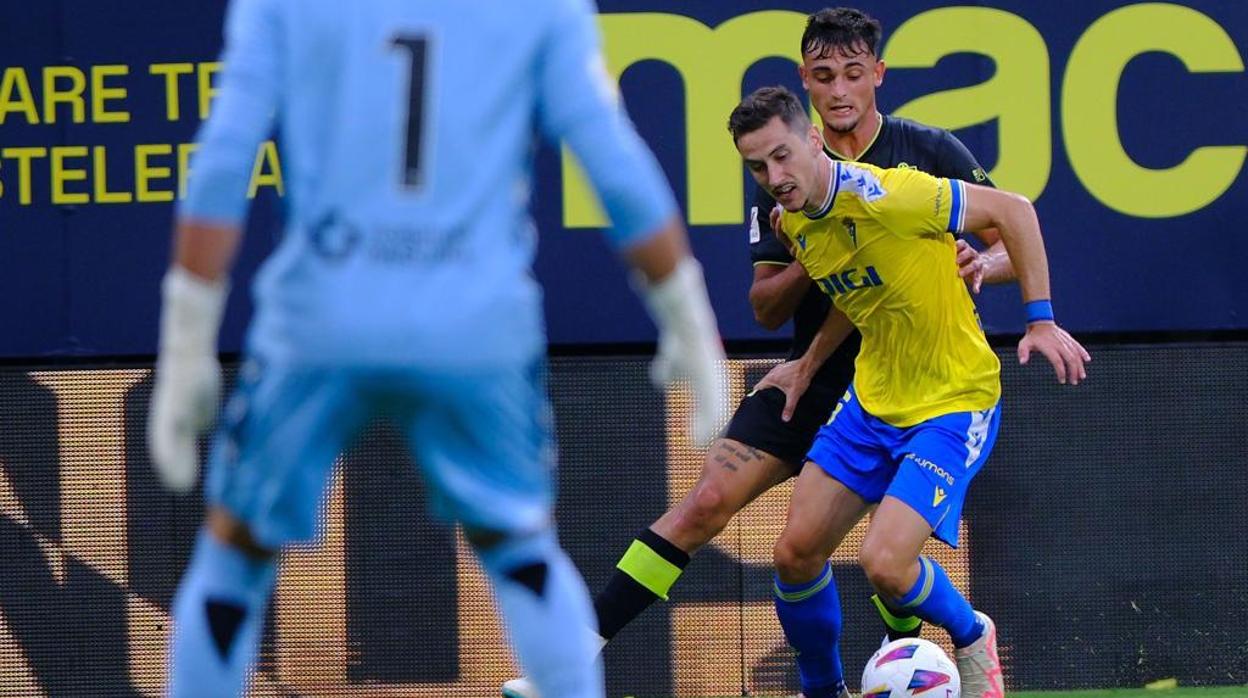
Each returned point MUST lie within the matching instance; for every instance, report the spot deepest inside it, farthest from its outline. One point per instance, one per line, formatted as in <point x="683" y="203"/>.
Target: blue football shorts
<point x="929" y="466"/>
<point x="482" y="439"/>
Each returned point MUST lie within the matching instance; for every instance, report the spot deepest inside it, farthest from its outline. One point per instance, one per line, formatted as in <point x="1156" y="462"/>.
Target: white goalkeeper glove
<point x="188" y="375"/>
<point x="689" y="345"/>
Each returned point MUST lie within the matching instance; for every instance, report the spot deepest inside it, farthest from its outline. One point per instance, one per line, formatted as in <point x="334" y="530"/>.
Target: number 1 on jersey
<point x="417" y="47"/>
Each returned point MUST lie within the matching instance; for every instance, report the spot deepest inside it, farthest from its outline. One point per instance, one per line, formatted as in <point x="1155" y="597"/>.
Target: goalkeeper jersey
<point x="407" y="132"/>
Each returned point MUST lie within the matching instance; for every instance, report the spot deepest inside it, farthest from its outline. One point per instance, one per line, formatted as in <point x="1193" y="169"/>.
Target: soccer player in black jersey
<point x="767" y="440"/>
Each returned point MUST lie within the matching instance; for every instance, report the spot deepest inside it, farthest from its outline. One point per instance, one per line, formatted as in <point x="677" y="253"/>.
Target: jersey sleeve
<point x="578" y="103"/>
<point x="242" y="114"/>
<point x="764" y="247"/>
<point x="914" y="203"/>
<point x="955" y="161"/>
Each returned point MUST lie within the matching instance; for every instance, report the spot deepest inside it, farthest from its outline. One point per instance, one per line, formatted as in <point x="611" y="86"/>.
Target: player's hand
<point x="971" y="266"/>
<point x="683" y="354"/>
<point x="777" y="228"/>
<point x="184" y="402"/>
<point x="792" y="378"/>
<point x="777" y="223"/>
<point x="1065" y="353"/>
<point x="188" y="376"/>
<point x="689" y="346"/>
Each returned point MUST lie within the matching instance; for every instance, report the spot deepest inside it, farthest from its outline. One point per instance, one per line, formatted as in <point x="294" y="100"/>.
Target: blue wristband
<point x="1039" y="311"/>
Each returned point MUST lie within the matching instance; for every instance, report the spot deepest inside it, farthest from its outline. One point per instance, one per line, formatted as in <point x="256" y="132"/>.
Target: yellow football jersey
<point x="881" y="248"/>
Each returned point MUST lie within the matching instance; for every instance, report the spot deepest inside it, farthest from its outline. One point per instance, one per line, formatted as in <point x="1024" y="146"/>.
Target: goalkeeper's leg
<point x="219" y="610"/>
<point x="544" y="602"/>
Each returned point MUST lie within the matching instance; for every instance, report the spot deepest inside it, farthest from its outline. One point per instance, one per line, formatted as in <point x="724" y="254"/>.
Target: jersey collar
<point x="834" y="183"/>
<point x="879" y="128"/>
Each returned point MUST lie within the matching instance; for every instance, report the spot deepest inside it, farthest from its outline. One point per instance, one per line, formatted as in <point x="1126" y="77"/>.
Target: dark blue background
<point x="84" y="280"/>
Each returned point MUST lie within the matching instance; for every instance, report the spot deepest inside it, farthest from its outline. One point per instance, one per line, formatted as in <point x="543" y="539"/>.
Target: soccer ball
<point x="911" y="667"/>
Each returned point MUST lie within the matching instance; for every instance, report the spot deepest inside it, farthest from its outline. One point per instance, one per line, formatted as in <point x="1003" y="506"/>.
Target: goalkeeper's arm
<point x="188" y="375"/>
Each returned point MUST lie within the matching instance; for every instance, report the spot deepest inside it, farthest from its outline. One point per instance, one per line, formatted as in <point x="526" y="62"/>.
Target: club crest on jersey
<point x="850" y="280"/>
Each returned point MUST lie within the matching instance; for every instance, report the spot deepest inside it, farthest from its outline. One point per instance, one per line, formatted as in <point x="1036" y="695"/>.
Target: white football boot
<point x="980" y="666"/>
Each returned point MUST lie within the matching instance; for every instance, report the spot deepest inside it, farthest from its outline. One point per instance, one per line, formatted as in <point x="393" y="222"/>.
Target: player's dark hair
<point x="845" y="30"/>
<point x="764" y="104"/>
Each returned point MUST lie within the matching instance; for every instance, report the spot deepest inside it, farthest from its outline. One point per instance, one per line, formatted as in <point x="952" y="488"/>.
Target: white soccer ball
<point x="911" y="667"/>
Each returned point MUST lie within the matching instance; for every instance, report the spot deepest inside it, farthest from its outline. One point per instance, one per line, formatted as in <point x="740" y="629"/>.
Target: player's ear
<point x="879" y="73"/>
<point x="815" y="139"/>
<point x="804" y="75"/>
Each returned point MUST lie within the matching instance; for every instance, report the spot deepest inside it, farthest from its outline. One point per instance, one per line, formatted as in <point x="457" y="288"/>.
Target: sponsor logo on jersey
<point x="931" y="467"/>
<point x="850" y="280"/>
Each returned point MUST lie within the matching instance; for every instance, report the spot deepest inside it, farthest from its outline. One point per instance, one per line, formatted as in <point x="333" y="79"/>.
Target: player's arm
<point x="1015" y="217"/>
<point x="776" y="292"/>
<point x="578" y="104"/>
<point x="780" y="282"/>
<point x="212" y="214"/>
<point x="992" y="265"/>
<point x="794" y="377"/>
<point x="206" y="237"/>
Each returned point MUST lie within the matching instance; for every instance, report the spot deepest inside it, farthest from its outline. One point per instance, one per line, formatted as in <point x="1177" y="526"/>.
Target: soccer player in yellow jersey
<point x="921" y="415"/>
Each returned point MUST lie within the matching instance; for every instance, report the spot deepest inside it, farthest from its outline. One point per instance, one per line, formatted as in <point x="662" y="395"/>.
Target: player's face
<point x="783" y="161"/>
<point x="842" y="83"/>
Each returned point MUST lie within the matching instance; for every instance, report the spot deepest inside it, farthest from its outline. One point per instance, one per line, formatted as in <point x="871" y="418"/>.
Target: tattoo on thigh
<point x="729" y="456"/>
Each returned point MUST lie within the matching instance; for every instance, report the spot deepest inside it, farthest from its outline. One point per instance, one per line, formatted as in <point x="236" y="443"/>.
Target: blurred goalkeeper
<point x="402" y="286"/>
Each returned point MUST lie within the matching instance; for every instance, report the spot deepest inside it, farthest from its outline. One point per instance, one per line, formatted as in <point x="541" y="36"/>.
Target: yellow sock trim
<point x="794" y="596"/>
<point x="901" y="625"/>
<point x="649" y="569"/>
<point x="929" y="579"/>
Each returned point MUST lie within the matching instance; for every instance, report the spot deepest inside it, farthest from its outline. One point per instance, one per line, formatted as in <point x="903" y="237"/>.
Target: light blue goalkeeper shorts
<point x="929" y="466"/>
<point x="481" y="439"/>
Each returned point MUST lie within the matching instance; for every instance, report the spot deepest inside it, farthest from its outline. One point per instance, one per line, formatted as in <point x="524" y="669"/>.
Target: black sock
<point x="897" y="623"/>
<point x="644" y="575"/>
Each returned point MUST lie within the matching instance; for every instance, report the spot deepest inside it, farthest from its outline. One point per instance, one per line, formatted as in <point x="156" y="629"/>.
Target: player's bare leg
<point x="821" y="513"/>
<point x="891" y="558"/>
<point x="733" y="475"/>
